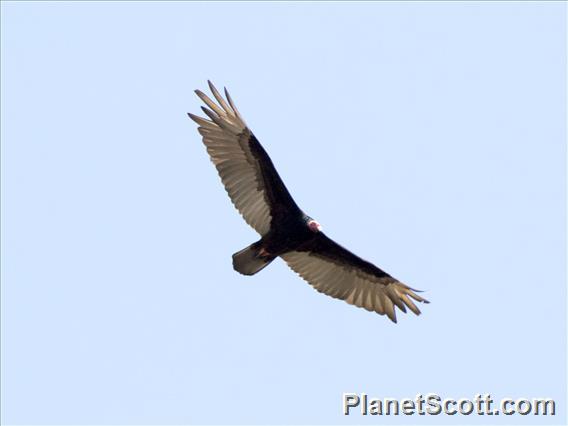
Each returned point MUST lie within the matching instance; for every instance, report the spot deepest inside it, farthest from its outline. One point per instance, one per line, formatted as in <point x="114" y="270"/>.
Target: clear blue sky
<point x="428" y="138"/>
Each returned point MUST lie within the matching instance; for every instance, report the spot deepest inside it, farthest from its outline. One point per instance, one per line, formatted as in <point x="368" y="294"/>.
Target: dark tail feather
<point x="248" y="262"/>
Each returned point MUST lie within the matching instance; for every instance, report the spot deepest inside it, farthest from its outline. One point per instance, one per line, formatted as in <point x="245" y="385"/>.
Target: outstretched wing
<point x="335" y="271"/>
<point x="252" y="182"/>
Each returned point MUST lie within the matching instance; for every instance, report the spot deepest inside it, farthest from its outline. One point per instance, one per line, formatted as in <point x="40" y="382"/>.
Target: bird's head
<point x="314" y="226"/>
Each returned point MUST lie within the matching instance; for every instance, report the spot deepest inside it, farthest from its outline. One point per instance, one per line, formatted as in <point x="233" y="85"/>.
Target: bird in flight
<point x="260" y="196"/>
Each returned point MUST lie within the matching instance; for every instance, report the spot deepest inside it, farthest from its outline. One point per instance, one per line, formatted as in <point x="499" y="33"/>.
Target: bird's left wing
<point x="333" y="270"/>
<point x="252" y="182"/>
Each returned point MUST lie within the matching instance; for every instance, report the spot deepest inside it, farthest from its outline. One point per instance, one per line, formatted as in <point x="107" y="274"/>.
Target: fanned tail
<point x="248" y="261"/>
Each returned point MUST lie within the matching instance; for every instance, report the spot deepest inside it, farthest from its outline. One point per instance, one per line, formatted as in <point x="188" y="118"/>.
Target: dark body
<point x="259" y="194"/>
<point x="289" y="225"/>
<point x="289" y="234"/>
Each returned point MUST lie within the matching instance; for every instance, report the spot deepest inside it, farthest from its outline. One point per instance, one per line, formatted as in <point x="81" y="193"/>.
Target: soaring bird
<point x="260" y="196"/>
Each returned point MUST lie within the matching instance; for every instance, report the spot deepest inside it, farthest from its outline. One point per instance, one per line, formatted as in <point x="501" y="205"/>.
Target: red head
<point x="314" y="226"/>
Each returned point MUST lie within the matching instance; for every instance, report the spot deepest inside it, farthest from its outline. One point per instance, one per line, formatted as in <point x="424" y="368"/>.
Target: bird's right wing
<point x="252" y="182"/>
<point x="333" y="270"/>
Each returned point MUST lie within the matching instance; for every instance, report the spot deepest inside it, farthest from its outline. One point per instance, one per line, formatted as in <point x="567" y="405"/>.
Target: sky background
<point x="429" y="138"/>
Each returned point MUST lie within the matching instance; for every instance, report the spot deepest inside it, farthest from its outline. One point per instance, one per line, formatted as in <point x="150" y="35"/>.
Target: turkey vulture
<point x="258" y="193"/>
